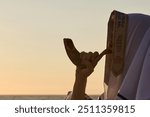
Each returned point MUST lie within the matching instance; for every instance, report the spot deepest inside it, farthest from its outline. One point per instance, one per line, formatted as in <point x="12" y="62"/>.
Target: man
<point x="127" y="67"/>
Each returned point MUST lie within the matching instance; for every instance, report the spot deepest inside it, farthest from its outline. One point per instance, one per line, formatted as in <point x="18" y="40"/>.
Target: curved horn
<point x="72" y="52"/>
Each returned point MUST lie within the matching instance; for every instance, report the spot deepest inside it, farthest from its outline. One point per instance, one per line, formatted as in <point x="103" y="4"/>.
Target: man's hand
<point x="88" y="63"/>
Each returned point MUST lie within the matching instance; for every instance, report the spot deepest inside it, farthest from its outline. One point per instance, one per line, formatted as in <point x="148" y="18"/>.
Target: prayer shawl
<point x="127" y="70"/>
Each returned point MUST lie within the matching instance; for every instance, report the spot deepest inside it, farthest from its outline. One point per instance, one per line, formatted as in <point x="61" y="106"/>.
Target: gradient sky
<point x="32" y="55"/>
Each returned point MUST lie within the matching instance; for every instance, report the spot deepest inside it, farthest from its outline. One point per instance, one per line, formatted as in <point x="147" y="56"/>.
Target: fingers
<point x="86" y="56"/>
<point x="88" y="61"/>
<point x="90" y="57"/>
<point x="93" y="58"/>
<point x="83" y="55"/>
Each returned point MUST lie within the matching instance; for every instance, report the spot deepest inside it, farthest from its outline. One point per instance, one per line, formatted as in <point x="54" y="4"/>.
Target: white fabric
<point x="137" y="67"/>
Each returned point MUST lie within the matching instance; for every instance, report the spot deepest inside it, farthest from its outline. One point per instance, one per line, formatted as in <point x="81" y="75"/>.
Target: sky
<point x="32" y="55"/>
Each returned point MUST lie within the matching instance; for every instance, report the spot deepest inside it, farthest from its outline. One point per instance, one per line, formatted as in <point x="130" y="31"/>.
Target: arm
<point x="89" y="61"/>
<point x="79" y="88"/>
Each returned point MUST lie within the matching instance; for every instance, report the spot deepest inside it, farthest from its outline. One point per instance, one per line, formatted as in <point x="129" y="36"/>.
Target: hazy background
<point x="32" y="55"/>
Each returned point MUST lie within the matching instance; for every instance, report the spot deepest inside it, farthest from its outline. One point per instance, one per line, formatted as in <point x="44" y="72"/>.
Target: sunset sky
<point x="32" y="55"/>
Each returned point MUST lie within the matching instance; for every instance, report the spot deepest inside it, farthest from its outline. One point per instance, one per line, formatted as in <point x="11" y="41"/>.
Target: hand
<point x="88" y="63"/>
